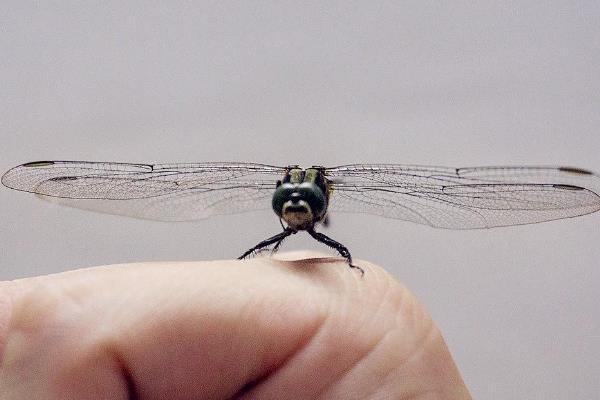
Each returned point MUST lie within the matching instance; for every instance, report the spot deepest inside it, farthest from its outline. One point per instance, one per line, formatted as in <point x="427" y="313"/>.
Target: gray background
<point x="328" y="83"/>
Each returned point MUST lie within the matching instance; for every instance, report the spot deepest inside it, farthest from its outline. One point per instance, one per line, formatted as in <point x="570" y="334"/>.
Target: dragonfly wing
<point x="165" y="192"/>
<point x="465" y="198"/>
<point x="179" y="206"/>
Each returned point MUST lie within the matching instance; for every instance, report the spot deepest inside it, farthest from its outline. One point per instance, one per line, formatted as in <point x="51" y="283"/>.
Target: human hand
<point x="265" y="328"/>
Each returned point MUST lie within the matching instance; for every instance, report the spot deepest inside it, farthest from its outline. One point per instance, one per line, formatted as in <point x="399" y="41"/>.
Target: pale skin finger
<point x="259" y="329"/>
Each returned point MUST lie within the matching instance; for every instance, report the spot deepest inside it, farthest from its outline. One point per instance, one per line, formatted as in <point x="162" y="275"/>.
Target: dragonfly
<point x="441" y="197"/>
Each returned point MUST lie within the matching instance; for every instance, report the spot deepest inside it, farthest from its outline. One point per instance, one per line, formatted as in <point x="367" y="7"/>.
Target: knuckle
<point x="48" y="311"/>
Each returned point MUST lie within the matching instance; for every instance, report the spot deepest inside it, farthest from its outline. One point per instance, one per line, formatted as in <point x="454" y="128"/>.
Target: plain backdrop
<point x="456" y="83"/>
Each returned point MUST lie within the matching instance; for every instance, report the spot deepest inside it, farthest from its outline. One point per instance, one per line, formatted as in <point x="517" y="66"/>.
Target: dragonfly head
<point x="299" y="205"/>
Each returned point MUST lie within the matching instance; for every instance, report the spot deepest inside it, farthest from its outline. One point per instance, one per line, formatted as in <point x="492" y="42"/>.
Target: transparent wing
<point x="464" y="198"/>
<point x="164" y="192"/>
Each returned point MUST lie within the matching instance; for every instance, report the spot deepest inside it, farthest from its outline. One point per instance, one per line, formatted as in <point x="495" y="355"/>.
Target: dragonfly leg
<point x="276" y="247"/>
<point x="277" y="239"/>
<point x="343" y="250"/>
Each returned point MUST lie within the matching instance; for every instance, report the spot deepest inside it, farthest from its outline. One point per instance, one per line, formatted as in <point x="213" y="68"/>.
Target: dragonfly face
<point x="301" y="198"/>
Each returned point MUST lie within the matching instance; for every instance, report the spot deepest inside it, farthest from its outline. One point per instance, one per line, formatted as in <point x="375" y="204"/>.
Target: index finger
<point x="261" y="328"/>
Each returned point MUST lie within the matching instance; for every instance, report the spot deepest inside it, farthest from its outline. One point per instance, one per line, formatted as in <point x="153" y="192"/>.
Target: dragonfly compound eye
<point x="315" y="198"/>
<point x="282" y="194"/>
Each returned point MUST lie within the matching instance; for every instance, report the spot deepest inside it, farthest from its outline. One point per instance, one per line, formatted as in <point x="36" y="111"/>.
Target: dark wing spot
<point x="63" y="178"/>
<point x="38" y="164"/>
<point x="567" y="187"/>
<point x="577" y="171"/>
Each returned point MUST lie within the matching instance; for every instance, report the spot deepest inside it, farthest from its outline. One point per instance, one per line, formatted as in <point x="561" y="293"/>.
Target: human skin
<point x="299" y="326"/>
